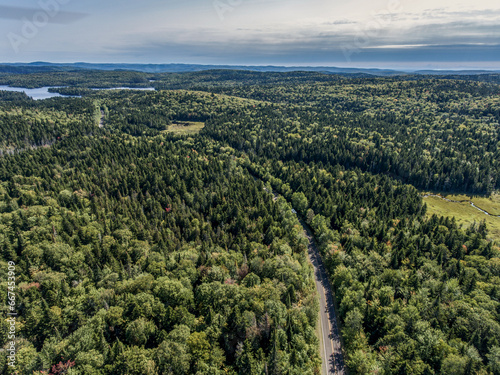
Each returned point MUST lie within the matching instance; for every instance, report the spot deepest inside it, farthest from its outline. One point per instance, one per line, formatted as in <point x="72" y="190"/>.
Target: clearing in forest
<point x="185" y="127"/>
<point x="467" y="214"/>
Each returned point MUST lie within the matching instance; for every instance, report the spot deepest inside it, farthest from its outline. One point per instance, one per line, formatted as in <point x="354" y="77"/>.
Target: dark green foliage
<point x="434" y="134"/>
<point x="121" y="240"/>
<point x="416" y="295"/>
<point x="30" y="124"/>
<point x="141" y="252"/>
<point x="78" y="78"/>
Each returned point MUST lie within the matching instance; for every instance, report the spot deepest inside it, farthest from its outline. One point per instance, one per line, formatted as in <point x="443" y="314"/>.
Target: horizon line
<point x="396" y="69"/>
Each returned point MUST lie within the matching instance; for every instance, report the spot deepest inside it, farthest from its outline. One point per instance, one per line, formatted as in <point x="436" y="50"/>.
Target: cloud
<point x="274" y="32"/>
<point x="54" y="15"/>
<point x="475" y="34"/>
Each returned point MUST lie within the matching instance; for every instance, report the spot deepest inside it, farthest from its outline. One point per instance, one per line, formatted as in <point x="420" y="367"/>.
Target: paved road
<point x="331" y="349"/>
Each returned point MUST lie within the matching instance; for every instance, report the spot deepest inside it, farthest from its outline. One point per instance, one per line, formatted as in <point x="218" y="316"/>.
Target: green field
<point x="466" y="214"/>
<point x="185" y="127"/>
<point x="489" y="204"/>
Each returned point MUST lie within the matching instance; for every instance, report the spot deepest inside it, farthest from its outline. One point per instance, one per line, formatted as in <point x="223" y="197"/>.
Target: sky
<point x="397" y="34"/>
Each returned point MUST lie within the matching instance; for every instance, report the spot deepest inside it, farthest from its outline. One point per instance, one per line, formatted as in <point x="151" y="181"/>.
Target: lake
<point x="37" y="94"/>
<point x="43" y="92"/>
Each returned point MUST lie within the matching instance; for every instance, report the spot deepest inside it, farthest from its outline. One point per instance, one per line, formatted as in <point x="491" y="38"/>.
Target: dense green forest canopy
<point x="143" y="252"/>
<point x="436" y="134"/>
<point x="86" y="79"/>
<point x="179" y="263"/>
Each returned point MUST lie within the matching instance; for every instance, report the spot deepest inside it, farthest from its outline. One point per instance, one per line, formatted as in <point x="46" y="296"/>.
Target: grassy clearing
<point x="185" y="127"/>
<point x="464" y="213"/>
<point x="491" y="204"/>
<point x="457" y="197"/>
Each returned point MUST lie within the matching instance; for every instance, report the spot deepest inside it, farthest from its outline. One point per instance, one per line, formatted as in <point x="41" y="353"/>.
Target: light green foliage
<point x="140" y="251"/>
<point x="299" y="201"/>
<point x="135" y="257"/>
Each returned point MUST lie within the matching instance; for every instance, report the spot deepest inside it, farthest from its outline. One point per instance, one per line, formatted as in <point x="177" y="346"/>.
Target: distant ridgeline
<point x="147" y="242"/>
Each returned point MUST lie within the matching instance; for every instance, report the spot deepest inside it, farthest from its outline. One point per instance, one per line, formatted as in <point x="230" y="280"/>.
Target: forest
<point x="143" y="251"/>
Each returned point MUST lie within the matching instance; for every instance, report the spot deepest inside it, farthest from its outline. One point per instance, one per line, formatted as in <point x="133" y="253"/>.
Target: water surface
<point x="37" y="94"/>
<point x="43" y="92"/>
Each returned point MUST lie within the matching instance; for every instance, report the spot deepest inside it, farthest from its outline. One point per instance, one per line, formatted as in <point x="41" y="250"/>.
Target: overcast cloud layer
<point x="359" y="33"/>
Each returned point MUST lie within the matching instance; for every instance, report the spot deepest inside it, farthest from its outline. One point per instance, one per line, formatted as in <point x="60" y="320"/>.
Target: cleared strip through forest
<point x="331" y="345"/>
<point x="333" y="358"/>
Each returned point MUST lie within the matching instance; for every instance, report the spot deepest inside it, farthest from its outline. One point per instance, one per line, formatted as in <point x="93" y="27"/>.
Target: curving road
<point x="331" y="348"/>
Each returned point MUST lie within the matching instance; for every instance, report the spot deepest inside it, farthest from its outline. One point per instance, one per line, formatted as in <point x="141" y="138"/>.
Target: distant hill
<point x="44" y="67"/>
<point x="456" y="72"/>
<point x="29" y="68"/>
<point x="179" y="68"/>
